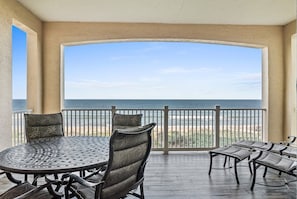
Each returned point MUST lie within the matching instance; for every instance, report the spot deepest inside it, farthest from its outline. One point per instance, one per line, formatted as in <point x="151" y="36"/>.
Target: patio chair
<point x="26" y="190"/>
<point x="43" y="125"/>
<point x="278" y="148"/>
<point x="122" y="121"/>
<point x="274" y="161"/>
<point x="237" y="153"/>
<point x="243" y="149"/>
<point x="128" y="153"/>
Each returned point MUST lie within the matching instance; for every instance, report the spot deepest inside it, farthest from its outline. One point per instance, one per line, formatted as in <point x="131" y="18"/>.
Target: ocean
<point x="20" y="104"/>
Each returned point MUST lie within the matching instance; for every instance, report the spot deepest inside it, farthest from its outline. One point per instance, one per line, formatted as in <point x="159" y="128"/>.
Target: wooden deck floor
<point x="185" y="176"/>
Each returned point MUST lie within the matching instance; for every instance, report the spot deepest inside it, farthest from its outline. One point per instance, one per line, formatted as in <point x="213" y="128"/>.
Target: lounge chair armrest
<point x="271" y="145"/>
<point x="281" y="151"/>
<point x="278" y="148"/>
<point x="256" y="157"/>
<point x="285" y="142"/>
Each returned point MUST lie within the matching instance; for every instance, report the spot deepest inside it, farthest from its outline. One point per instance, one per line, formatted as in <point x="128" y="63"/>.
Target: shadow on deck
<point x="184" y="175"/>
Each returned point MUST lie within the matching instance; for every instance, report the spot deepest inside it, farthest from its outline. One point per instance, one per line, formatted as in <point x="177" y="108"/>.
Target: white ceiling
<point x="245" y="12"/>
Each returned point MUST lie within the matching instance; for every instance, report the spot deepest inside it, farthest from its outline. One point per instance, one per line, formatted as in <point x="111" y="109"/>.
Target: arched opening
<point x="167" y="76"/>
<point x="162" y="70"/>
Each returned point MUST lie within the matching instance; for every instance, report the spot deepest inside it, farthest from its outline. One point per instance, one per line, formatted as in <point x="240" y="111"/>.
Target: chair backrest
<point x="43" y="125"/>
<point x="129" y="150"/>
<point x="122" y="121"/>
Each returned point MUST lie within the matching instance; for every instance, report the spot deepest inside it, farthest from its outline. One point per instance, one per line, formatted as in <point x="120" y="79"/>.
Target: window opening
<point x="19" y="68"/>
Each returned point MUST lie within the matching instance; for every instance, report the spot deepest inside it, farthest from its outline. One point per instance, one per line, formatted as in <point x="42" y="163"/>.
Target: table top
<point x="56" y="155"/>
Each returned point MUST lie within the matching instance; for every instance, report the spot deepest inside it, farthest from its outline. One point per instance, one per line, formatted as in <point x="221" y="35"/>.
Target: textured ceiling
<point x="244" y="12"/>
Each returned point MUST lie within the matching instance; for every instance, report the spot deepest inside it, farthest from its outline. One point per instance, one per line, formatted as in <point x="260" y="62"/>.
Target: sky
<point x="19" y="64"/>
<point x="152" y="70"/>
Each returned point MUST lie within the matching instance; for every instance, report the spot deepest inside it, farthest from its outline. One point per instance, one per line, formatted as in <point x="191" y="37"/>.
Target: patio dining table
<point x="55" y="155"/>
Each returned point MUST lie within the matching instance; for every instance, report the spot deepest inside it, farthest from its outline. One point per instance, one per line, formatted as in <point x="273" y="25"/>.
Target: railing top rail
<point x="135" y="109"/>
<point x="245" y="109"/>
<point x="158" y="109"/>
<point x="86" y="109"/>
<point x="22" y="111"/>
<point x="108" y="109"/>
<point x="194" y="109"/>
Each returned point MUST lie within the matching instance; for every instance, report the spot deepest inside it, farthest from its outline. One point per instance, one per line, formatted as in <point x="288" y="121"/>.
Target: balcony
<point x="181" y="175"/>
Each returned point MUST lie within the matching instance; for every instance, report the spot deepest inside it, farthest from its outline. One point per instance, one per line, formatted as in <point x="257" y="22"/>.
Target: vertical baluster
<point x="196" y="124"/>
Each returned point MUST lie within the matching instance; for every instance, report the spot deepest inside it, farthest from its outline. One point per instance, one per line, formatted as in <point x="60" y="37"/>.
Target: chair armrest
<point x="75" y="178"/>
<point x="256" y="157"/>
<point x="271" y="145"/>
<point x="96" y="172"/>
<point x="278" y="148"/>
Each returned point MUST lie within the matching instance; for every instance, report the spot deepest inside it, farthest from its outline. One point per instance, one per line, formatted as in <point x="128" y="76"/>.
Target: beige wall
<point x="11" y="13"/>
<point x="56" y="34"/>
<point x="290" y="81"/>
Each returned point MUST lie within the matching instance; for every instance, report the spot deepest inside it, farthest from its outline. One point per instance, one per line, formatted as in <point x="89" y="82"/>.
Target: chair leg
<point x="225" y="161"/>
<point x="235" y="170"/>
<point x="66" y="192"/>
<point x="210" y="164"/>
<point x="56" y="176"/>
<point x="265" y="172"/>
<point x="141" y="191"/>
<point x="82" y="173"/>
<point x="35" y="179"/>
<point x="250" y="168"/>
<point x="254" y="177"/>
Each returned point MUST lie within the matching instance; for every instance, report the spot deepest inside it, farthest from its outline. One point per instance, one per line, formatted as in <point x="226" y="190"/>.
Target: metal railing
<point x="18" y="127"/>
<point x="177" y="129"/>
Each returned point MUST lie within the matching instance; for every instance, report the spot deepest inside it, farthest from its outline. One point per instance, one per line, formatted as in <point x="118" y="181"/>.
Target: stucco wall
<point x="56" y="34"/>
<point x="12" y="12"/>
<point x="290" y="118"/>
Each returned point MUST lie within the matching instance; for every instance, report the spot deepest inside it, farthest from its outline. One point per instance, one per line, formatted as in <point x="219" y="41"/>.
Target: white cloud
<point x="250" y="76"/>
<point x="180" y="70"/>
<point x="97" y="84"/>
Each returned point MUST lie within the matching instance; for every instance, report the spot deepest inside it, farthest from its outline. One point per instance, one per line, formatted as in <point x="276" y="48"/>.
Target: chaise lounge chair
<point x="274" y="161"/>
<point x="243" y="149"/>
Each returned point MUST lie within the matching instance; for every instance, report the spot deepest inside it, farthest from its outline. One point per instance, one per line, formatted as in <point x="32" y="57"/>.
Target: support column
<point x="5" y="83"/>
